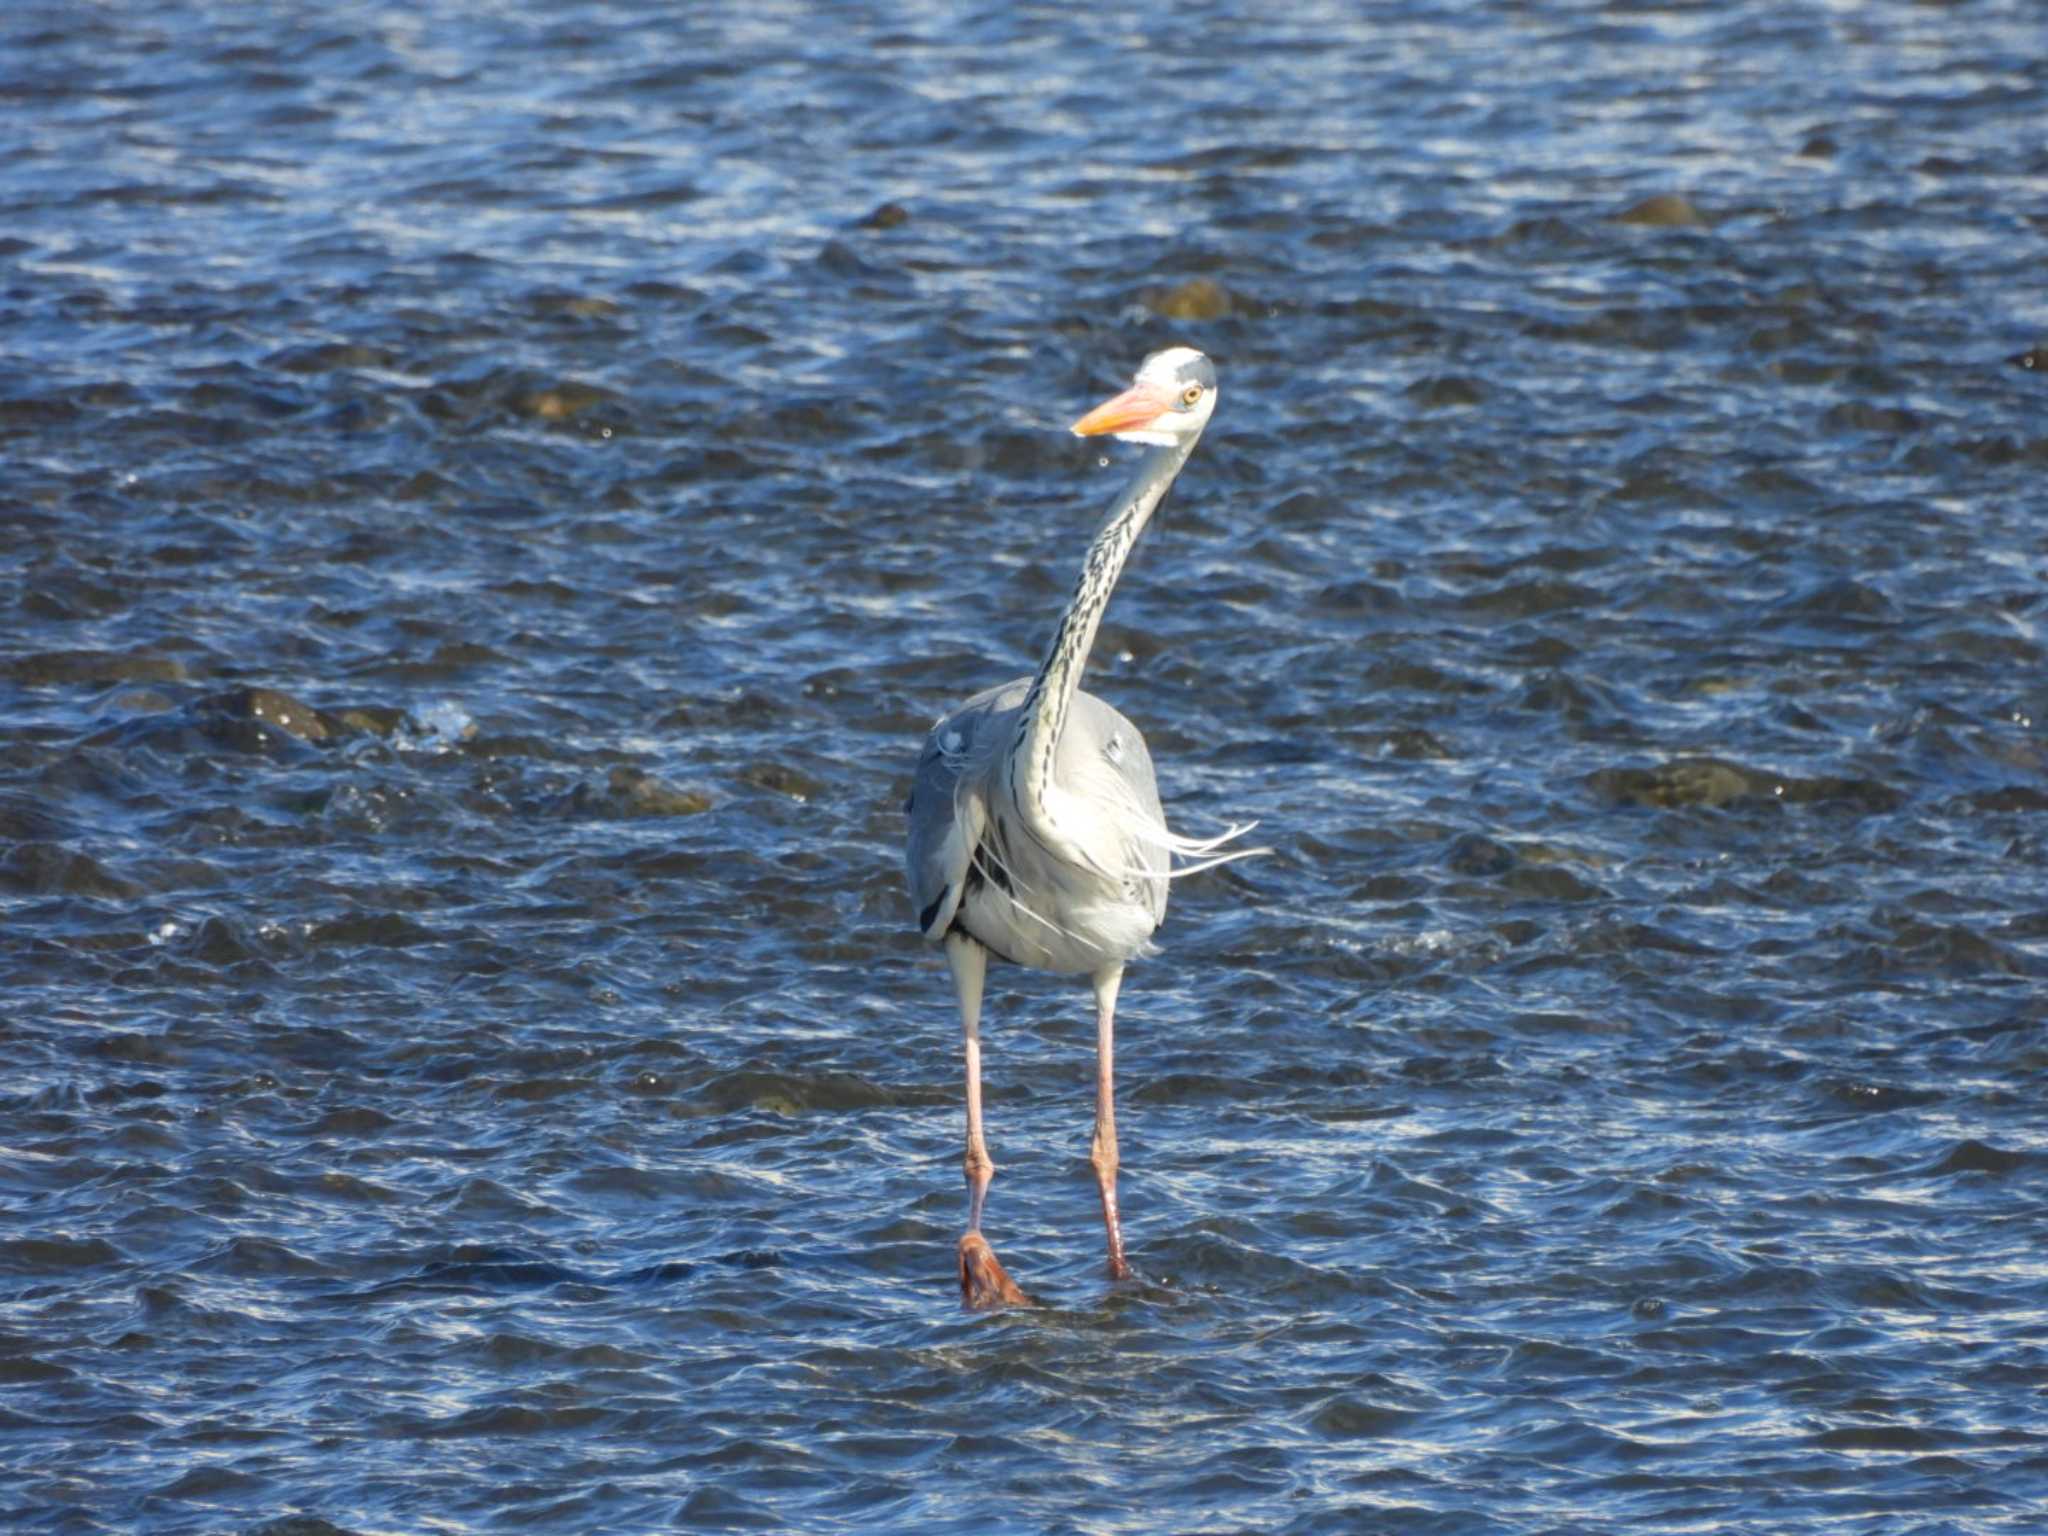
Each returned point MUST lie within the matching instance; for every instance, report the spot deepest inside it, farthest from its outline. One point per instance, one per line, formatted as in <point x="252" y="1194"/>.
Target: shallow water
<point x="492" y="505"/>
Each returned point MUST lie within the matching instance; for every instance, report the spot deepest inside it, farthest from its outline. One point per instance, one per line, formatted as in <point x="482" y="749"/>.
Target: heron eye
<point x="1191" y="394"/>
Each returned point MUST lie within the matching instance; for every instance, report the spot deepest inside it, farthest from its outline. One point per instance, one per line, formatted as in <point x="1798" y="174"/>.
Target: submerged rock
<point x="638" y="793"/>
<point x="574" y="306"/>
<point x="269" y="707"/>
<point x="369" y="720"/>
<point x="781" y="779"/>
<point x="1476" y="854"/>
<point x="1683" y="781"/>
<point x="331" y="357"/>
<point x="561" y="402"/>
<point x="1446" y="390"/>
<point x="1667" y="210"/>
<point x="49" y="869"/>
<point x="1713" y="781"/>
<point x="47" y="668"/>
<point x="258" y="719"/>
<point x="631" y="792"/>
<point x="1199" y="298"/>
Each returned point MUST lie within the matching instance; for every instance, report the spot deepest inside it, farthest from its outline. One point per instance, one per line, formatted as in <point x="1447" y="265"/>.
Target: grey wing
<point x="1104" y="759"/>
<point x="948" y="805"/>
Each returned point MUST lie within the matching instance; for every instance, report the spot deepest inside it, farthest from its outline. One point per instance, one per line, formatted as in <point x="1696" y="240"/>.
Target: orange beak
<point x="1136" y="407"/>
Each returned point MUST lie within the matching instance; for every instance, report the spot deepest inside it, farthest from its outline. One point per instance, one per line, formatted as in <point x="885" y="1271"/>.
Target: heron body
<point x="1021" y="895"/>
<point x="1036" y="833"/>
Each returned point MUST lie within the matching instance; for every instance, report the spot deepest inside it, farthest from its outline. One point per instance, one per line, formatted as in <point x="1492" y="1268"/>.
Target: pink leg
<point x="1103" y="1153"/>
<point x="983" y="1281"/>
<point x="969" y="962"/>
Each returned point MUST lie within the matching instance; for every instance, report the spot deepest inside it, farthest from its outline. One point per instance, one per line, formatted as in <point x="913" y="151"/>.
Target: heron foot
<point x="984" y="1282"/>
<point x="1119" y="1270"/>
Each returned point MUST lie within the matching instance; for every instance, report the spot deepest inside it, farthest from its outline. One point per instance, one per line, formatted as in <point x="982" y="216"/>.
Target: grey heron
<point x="1036" y="833"/>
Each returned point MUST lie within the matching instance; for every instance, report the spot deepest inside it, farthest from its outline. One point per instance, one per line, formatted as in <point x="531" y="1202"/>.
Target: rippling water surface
<point x="493" y="497"/>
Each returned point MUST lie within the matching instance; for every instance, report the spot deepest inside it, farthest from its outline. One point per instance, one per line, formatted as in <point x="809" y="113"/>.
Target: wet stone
<point x="327" y="357"/>
<point x="1473" y="854"/>
<point x="1199" y="298"/>
<point x="1446" y="391"/>
<point x="1685" y="781"/>
<point x="1866" y="794"/>
<point x="268" y="707"/>
<point x="576" y="306"/>
<point x="93" y="668"/>
<point x="1979" y="1157"/>
<point x="1667" y="210"/>
<point x="369" y="720"/>
<point x="48" y="869"/>
<point x="563" y="401"/>
<point x="782" y="779"/>
<point x="638" y="793"/>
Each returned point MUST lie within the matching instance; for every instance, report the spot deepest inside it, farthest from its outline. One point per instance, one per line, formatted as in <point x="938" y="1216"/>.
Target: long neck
<point x="1044" y="715"/>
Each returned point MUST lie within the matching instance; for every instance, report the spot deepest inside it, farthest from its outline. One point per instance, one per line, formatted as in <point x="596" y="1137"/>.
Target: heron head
<point x="1168" y="402"/>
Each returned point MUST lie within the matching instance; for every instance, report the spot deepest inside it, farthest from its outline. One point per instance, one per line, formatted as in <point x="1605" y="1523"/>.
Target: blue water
<point x="493" y="498"/>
